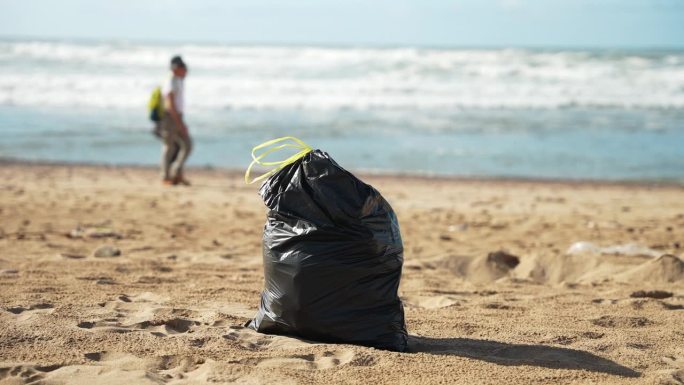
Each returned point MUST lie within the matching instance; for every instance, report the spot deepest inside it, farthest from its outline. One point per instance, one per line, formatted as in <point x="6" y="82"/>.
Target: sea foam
<point x="121" y="75"/>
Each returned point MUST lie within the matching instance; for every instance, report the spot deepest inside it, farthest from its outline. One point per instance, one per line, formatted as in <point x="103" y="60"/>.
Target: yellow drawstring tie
<point x="298" y="144"/>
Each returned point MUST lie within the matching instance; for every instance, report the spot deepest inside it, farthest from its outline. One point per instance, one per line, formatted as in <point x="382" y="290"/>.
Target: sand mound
<point x="560" y="268"/>
<point x="492" y="267"/>
<point x="666" y="268"/>
<point x="595" y="267"/>
<point x="482" y="269"/>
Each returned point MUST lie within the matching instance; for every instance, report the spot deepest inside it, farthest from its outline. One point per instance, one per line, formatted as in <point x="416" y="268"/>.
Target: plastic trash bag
<point x="332" y="256"/>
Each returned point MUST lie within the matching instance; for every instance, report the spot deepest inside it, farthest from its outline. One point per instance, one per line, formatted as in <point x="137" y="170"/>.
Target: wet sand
<point x="108" y="277"/>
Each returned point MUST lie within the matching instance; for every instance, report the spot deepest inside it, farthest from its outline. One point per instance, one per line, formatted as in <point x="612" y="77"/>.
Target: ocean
<point x="529" y="113"/>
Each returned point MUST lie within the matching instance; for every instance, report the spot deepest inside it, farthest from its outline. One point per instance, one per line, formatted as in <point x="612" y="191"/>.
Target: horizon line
<point x="572" y="47"/>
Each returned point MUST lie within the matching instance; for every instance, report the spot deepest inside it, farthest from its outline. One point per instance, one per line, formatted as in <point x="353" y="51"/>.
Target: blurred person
<point x="172" y="128"/>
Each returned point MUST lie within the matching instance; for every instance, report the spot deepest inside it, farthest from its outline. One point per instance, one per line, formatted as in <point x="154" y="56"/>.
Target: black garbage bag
<point x="332" y="258"/>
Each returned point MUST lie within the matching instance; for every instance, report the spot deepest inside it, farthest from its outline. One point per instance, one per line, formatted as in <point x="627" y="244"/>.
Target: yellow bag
<point x="155" y="107"/>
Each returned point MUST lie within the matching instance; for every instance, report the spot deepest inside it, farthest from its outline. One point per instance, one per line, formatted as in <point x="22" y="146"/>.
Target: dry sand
<point x="165" y="304"/>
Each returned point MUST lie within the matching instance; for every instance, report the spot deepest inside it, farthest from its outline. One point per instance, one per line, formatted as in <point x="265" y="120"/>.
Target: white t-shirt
<point x="175" y="85"/>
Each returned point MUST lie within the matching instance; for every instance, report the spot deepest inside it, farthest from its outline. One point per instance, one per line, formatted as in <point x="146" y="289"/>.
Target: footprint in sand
<point x="148" y="312"/>
<point x="24" y="374"/>
<point x="657" y="294"/>
<point x="251" y="340"/>
<point x="163" y="369"/>
<point x="139" y="313"/>
<point x="593" y="335"/>
<point x="124" y="368"/>
<point x="313" y="361"/>
<point x="186" y="368"/>
<point x="608" y="321"/>
<point x="24" y="313"/>
<point x="499" y="306"/>
<point x="675" y="373"/>
<point x="671" y="306"/>
<point x="101" y="368"/>
<point x="37" y="308"/>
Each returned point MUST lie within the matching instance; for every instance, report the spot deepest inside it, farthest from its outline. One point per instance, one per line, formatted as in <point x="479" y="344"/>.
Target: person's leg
<point x="174" y="152"/>
<point x="170" y="152"/>
<point x="184" y="150"/>
<point x="170" y="147"/>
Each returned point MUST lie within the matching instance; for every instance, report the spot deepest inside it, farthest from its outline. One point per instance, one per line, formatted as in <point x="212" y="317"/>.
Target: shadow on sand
<point x="513" y="354"/>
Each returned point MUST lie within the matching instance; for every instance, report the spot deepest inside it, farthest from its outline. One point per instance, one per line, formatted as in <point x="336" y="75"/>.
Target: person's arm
<point x="171" y="103"/>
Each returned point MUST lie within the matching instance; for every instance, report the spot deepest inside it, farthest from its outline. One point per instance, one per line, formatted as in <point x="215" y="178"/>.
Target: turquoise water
<point x="117" y="137"/>
<point x="513" y="113"/>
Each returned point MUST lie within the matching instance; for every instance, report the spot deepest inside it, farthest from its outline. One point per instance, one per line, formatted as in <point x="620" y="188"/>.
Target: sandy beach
<point x="108" y="277"/>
